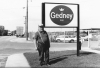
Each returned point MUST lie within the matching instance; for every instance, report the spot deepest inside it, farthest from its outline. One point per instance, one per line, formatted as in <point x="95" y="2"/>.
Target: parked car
<point x="52" y="38"/>
<point x="67" y="38"/>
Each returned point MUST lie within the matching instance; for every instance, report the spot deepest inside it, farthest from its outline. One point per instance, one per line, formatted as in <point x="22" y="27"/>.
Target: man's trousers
<point x="44" y="55"/>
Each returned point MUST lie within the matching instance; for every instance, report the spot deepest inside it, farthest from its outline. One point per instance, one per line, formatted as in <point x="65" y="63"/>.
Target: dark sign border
<point x="78" y="21"/>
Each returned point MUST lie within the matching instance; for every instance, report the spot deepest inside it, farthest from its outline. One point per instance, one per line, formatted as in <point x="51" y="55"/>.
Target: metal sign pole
<point x="78" y="41"/>
<point x="78" y="33"/>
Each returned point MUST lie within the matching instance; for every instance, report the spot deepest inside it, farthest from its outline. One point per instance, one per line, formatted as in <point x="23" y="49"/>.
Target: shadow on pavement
<point x="60" y="58"/>
<point x="86" y="53"/>
<point x="33" y="58"/>
<point x="55" y="57"/>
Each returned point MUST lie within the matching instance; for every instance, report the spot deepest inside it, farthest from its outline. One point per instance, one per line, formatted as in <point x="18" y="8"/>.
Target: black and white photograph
<point x="49" y="33"/>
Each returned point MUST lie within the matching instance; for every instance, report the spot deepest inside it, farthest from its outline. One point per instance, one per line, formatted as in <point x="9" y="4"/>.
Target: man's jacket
<point x="42" y="42"/>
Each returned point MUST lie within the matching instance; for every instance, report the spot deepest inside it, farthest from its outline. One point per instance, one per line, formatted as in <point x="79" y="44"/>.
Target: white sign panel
<point x="64" y="15"/>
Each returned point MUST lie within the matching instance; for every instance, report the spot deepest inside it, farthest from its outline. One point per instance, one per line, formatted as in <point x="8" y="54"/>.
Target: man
<point x="43" y="44"/>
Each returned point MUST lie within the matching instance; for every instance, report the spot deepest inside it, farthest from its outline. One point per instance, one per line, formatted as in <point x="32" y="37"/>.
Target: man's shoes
<point x="48" y="64"/>
<point x="41" y="64"/>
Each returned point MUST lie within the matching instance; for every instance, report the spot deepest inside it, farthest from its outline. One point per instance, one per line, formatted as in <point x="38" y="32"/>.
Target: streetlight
<point x="26" y="21"/>
<point x="25" y="25"/>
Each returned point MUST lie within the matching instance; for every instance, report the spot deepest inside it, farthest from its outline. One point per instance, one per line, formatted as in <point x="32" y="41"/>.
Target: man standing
<point x="43" y="44"/>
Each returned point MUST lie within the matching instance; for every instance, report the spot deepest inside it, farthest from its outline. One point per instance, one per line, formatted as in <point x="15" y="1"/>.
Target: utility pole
<point x="26" y="27"/>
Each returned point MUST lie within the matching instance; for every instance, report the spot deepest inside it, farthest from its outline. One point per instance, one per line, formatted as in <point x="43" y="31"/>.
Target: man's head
<point x="40" y="27"/>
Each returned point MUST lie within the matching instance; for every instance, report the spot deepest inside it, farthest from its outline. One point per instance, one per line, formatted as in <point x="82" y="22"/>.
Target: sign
<point x="61" y="15"/>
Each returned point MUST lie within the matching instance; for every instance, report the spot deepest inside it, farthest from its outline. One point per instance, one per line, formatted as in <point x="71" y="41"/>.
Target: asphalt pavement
<point x="11" y="43"/>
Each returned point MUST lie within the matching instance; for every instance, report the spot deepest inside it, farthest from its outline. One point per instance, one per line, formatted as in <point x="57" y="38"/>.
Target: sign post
<point x="61" y="15"/>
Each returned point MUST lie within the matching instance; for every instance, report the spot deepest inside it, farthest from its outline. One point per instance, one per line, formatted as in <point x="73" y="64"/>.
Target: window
<point x="66" y="36"/>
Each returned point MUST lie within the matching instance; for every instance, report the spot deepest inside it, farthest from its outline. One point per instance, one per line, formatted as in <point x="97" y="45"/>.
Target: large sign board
<point x="61" y="15"/>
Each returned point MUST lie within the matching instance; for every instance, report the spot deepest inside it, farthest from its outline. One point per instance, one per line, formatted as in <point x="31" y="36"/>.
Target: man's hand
<point x="35" y="47"/>
<point x="35" y="44"/>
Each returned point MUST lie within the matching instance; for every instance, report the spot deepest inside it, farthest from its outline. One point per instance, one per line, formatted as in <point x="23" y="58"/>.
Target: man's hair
<point x="41" y="26"/>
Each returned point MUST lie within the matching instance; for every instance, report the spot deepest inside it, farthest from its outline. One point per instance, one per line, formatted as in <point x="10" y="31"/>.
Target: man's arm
<point x="35" y="41"/>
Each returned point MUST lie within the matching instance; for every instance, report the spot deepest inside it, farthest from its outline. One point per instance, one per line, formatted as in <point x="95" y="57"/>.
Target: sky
<point x="13" y="12"/>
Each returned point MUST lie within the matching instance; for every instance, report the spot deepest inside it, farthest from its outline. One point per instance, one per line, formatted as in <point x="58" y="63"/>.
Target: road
<point x="8" y="46"/>
<point x="12" y="44"/>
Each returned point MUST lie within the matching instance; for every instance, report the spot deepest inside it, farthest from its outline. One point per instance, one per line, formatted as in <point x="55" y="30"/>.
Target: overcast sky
<point x="12" y="13"/>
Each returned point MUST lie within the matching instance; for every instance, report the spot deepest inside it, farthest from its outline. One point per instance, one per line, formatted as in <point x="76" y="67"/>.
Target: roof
<point x="91" y="29"/>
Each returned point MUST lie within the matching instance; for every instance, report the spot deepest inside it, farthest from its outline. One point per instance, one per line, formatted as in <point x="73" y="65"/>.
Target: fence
<point x="94" y="42"/>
